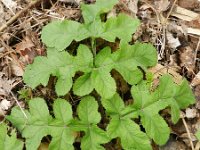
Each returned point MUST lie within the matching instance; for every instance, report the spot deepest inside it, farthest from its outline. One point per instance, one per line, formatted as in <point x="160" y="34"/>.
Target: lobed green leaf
<point x="9" y="142"/>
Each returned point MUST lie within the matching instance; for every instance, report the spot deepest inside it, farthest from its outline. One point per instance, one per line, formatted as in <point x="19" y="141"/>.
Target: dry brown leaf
<point x="160" y="70"/>
<point x="190" y="113"/>
<point x="187" y="58"/>
<point x="133" y="6"/>
<point x="25" y="44"/>
<point x="11" y="5"/>
<point x="172" y="42"/>
<point x="195" y="23"/>
<point x="162" y="5"/>
<point x="184" y="14"/>
<point x="196" y="80"/>
<point x="16" y="69"/>
<point x="5" y="104"/>
<point x="189" y="4"/>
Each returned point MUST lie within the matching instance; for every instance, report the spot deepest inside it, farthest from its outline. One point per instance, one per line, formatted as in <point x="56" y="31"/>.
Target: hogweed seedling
<point x="95" y="66"/>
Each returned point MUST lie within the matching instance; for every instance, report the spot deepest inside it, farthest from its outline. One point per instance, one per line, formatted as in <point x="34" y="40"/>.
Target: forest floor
<point x="172" y="26"/>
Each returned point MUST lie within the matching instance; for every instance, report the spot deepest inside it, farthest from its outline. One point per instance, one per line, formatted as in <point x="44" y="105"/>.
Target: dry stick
<point x="188" y="132"/>
<point x="196" y="51"/>
<point x="171" y="10"/>
<point x="19" y="105"/>
<point x="3" y="27"/>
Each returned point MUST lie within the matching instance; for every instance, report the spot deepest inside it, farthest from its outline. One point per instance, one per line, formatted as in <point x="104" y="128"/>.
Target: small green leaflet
<point x="123" y="127"/>
<point x="92" y="12"/>
<point x="60" y="34"/>
<point x="9" y="142"/>
<point x="89" y="117"/>
<point x="39" y="123"/>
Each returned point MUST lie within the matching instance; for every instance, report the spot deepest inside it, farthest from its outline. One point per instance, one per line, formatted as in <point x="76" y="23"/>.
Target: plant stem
<point x="93" y="43"/>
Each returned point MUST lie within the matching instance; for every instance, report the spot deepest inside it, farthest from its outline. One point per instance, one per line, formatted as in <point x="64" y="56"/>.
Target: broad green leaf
<point x="92" y="12"/>
<point x="141" y="95"/>
<point x="83" y="85"/>
<point x="178" y="96"/>
<point x="123" y="127"/>
<point x="114" y="105"/>
<point x="88" y="111"/>
<point x="40" y="123"/>
<point x="156" y="127"/>
<point x="129" y="133"/>
<point x="103" y="83"/>
<point x="38" y="72"/>
<point x="128" y="58"/>
<point x="122" y="26"/>
<point x="60" y="34"/>
<point x="166" y="88"/>
<point x="184" y="96"/>
<point x="9" y="142"/>
<point x="60" y="64"/>
<point x="89" y="117"/>
<point x="148" y="109"/>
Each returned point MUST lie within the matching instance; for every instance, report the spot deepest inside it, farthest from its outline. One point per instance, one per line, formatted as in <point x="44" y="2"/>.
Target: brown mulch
<point x="173" y="26"/>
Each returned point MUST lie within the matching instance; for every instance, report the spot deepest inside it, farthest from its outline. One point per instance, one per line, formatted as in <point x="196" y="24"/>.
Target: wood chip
<point x="184" y="14"/>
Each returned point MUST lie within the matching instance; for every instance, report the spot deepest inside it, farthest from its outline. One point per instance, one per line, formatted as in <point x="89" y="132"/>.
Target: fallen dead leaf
<point x="184" y="14"/>
<point x="162" y="5"/>
<point x="172" y="42"/>
<point x="190" y="113"/>
<point x="16" y="69"/>
<point x="5" y="104"/>
<point x="160" y="70"/>
<point x="187" y="58"/>
<point x="196" y="80"/>
<point x="25" y="44"/>
<point x="10" y="4"/>
<point x="133" y="6"/>
<point x="189" y="4"/>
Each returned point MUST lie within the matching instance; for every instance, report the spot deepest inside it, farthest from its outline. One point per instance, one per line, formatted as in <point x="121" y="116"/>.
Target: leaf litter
<point x="170" y="43"/>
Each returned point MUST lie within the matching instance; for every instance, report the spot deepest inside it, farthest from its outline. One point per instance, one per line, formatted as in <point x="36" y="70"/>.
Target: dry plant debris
<point x="173" y="26"/>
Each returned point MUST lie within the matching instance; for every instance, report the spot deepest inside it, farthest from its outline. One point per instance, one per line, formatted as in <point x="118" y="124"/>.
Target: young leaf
<point x="60" y="34"/>
<point x="148" y="109"/>
<point x="39" y="124"/>
<point x="59" y="64"/>
<point x="114" y="27"/>
<point x="103" y="83"/>
<point x="91" y="13"/>
<point x="178" y="97"/>
<point x="123" y="127"/>
<point x="128" y="58"/>
<point x="89" y="117"/>
<point x="9" y="142"/>
<point x="167" y="94"/>
<point x="156" y="127"/>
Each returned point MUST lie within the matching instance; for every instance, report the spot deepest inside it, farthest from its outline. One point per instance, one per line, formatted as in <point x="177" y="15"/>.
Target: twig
<point x="18" y="104"/>
<point x="196" y="51"/>
<point x="3" y="27"/>
<point x="188" y="132"/>
<point x="170" y="10"/>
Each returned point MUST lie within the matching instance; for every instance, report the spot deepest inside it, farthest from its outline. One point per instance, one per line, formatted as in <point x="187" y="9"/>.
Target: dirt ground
<point x="172" y="26"/>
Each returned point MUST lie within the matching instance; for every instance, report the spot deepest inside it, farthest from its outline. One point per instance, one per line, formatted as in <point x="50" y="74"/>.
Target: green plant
<point x="128" y="60"/>
<point x="9" y="142"/>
